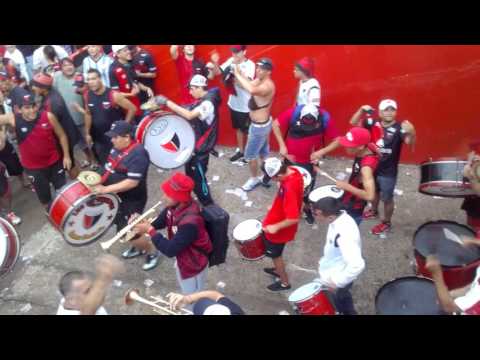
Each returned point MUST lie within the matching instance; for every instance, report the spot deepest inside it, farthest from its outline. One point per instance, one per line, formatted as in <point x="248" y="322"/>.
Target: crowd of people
<point x="65" y="103"/>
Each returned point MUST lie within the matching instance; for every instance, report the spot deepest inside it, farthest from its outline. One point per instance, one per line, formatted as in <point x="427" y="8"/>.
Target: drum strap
<point x="115" y="162"/>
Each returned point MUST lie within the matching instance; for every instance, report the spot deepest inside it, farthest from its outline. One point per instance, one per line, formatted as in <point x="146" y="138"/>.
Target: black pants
<point x="127" y="209"/>
<point x="102" y="150"/>
<point x="41" y="179"/>
<point x="344" y="301"/>
<point x="10" y="158"/>
<point x="197" y="168"/>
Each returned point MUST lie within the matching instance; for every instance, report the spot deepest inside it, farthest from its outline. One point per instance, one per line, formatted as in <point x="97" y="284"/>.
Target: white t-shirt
<point x="102" y="65"/>
<point x="309" y="92"/>
<point x="342" y="260"/>
<point x="240" y="102"/>
<point x="39" y="61"/>
<point x="16" y="57"/>
<point x="470" y="302"/>
<point x="62" y="311"/>
<point x="207" y="111"/>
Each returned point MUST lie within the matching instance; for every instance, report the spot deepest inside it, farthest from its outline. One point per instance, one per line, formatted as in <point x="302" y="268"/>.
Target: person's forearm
<point x="285" y="223"/>
<point x="362" y="194"/>
<point x="122" y="186"/>
<point x="244" y="83"/>
<point x="88" y="123"/>
<point x="130" y="114"/>
<point x="149" y="75"/>
<point x="187" y="114"/>
<point x="446" y="301"/>
<point x="278" y="133"/>
<point x="209" y="294"/>
<point x="64" y="144"/>
<point x="355" y="120"/>
<point x="95" y="296"/>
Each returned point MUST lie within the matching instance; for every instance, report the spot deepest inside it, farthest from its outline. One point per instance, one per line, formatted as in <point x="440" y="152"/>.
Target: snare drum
<point x="408" y="295"/>
<point x="9" y="246"/>
<point x="80" y="215"/>
<point x="441" y="238"/>
<point x="307" y="177"/>
<point x="169" y="139"/>
<point x="312" y="299"/>
<point x="325" y="191"/>
<point x="248" y="237"/>
<point x="444" y="177"/>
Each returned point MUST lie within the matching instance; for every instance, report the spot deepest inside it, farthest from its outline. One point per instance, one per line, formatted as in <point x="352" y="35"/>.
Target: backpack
<point x="300" y="128"/>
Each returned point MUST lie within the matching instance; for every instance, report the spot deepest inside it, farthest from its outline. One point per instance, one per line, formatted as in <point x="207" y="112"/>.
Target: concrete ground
<point x="31" y="288"/>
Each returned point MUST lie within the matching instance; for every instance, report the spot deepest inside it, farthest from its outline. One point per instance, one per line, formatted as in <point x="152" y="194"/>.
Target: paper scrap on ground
<point x="160" y="171"/>
<point x="348" y="170"/>
<point x="238" y="163"/>
<point x="439" y="197"/>
<point x="248" y="203"/>
<point x="26" y="308"/>
<point x="283" y="312"/>
<point x="341" y="176"/>
<point x="148" y="283"/>
<point x="221" y="285"/>
<point x="221" y="154"/>
<point x="238" y="192"/>
<point x="117" y="283"/>
<point x="320" y="163"/>
<point x="398" y="192"/>
<point x="314" y="227"/>
<point x="216" y="178"/>
<point x="296" y="267"/>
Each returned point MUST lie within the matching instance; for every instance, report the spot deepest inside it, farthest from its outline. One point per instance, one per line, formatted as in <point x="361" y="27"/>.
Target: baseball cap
<point x="385" y="104"/>
<point x="237" y="48"/>
<point x="306" y="66"/>
<point x="357" y="136"/>
<point x="198" y="80"/>
<point x="42" y="80"/>
<point x="210" y="307"/>
<point x="272" y="166"/>
<point x="119" y="128"/>
<point x="179" y="187"/>
<point x="27" y="99"/>
<point x="117" y="48"/>
<point x="265" y="63"/>
<point x="309" y="109"/>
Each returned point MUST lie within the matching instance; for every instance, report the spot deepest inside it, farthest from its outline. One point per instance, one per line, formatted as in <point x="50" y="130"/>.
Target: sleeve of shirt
<point x="291" y="206"/>
<point x="161" y="221"/>
<point x="226" y="64"/>
<point x="137" y="166"/>
<point x="352" y="256"/>
<point x="314" y="96"/>
<point x="206" y="109"/>
<point x="284" y="119"/>
<point x="185" y="236"/>
<point x="150" y="63"/>
<point x="61" y="52"/>
<point x="113" y="78"/>
<point x="370" y="161"/>
<point x="250" y="73"/>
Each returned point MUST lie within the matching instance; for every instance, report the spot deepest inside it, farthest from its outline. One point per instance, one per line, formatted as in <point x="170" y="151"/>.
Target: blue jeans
<point x="193" y="284"/>
<point x="385" y="185"/>
<point x="257" y="143"/>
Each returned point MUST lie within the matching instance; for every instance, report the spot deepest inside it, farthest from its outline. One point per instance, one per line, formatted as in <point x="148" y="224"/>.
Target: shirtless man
<point x="262" y="91"/>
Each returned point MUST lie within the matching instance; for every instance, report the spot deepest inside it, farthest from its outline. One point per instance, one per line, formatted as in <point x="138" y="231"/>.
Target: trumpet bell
<point x="130" y="295"/>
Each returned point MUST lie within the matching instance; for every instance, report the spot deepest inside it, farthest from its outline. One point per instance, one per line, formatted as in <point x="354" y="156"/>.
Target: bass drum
<point x="9" y="247"/>
<point x="169" y="139"/>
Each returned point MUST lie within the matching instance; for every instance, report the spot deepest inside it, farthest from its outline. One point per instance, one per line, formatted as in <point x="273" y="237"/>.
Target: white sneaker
<point x="251" y="184"/>
<point x="14" y="219"/>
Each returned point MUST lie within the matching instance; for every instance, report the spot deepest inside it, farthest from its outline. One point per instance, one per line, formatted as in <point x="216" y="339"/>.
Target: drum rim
<point x="442" y="160"/>
<point x="242" y="241"/>
<point x="76" y="203"/>
<point x="11" y="228"/>
<point x="60" y="191"/>
<point x="422" y="186"/>
<point x="309" y="297"/>
<point x="325" y="186"/>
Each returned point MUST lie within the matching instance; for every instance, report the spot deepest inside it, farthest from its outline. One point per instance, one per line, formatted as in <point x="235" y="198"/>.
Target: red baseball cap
<point x="42" y="80"/>
<point x="357" y="136"/>
<point x="179" y="187"/>
<point x="237" y="48"/>
<point x="306" y="65"/>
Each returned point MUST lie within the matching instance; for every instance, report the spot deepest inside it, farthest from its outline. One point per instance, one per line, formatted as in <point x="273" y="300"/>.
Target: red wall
<point x="436" y="87"/>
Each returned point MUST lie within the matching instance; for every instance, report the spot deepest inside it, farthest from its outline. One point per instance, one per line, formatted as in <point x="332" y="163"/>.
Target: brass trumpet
<point x="133" y="295"/>
<point x="107" y="244"/>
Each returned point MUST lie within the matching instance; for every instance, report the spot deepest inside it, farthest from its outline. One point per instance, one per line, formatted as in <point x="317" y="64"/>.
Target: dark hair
<point x="328" y="206"/>
<point x="65" y="284"/>
<point x="49" y="52"/>
<point x="94" y="71"/>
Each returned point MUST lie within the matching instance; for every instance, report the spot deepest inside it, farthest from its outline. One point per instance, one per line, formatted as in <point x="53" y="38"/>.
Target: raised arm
<point x="174" y="52"/>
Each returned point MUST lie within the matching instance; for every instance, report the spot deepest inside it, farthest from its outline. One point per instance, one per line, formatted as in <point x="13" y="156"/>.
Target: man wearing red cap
<point x="361" y="185"/>
<point x="239" y="97"/>
<point x="187" y="237"/>
<point x="309" y="90"/>
<point x="37" y="134"/>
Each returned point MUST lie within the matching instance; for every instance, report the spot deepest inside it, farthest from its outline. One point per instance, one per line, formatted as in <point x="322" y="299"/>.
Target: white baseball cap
<point x="272" y="166"/>
<point x="198" y="80"/>
<point x="385" y="104"/>
<point x="117" y="48"/>
<point x="309" y="109"/>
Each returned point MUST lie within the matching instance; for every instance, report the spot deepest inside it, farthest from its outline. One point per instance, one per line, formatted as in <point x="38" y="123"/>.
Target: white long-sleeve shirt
<point x="39" y="60"/>
<point x="309" y="92"/>
<point x="342" y="260"/>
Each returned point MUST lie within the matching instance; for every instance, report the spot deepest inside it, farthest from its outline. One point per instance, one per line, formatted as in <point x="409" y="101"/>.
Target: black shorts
<point x="273" y="250"/>
<point x="240" y="120"/>
<point x="10" y="158"/>
<point x="4" y="185"/>
<point x="41" y="179"/>
<point x="127" y="209"/>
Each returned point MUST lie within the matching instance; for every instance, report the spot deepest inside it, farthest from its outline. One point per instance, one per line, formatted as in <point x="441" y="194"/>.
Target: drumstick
<point x="452" y="236"/>
<point x="323" y="173"/>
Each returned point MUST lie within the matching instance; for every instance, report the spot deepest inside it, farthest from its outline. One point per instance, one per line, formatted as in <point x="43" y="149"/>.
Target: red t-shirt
<point x="287" y="205"/>
<point x="302" y="148"/>
<point x="185" y="73"/>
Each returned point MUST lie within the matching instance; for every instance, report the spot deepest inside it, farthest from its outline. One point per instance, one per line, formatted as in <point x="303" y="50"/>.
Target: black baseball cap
<point x="27" y="99"/>
<point x="265" y="63"/>
<point x="119" y="128"/>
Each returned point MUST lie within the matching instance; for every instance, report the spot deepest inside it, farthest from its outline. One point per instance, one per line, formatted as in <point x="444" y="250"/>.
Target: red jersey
<point x="185" y="73"/>
<point x="287" y="205"/>
<point x="122" y="79"/>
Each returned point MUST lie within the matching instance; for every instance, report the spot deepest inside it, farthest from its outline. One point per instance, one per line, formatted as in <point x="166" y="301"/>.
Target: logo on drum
<point x="173" y="145"/>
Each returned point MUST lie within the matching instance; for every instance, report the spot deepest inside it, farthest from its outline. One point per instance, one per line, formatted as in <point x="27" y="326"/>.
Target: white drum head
<point x="304" y="292"/>
<point x="325" y="191"/>
<point x="247" y="230"/>
<point x="9" y="246"/>
<point x="170" y="141"/>
<point x="307" y="178"/>
<point x="3" y="246"/>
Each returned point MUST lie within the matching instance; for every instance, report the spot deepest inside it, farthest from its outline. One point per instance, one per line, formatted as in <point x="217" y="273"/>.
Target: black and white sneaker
<point x="271" y="271"/>
<point x="131" y="253"/>
<point x="266" y="181"/>
<point x="151" y="262"/>
<point x="237" y="156"/>
<point x="278" y="286"/>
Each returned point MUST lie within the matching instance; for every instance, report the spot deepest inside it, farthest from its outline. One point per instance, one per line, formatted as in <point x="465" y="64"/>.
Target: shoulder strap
<point x="116" y="162"/>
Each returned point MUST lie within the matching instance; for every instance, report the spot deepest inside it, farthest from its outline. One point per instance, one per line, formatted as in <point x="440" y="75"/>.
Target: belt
<point x="261" y="125"/>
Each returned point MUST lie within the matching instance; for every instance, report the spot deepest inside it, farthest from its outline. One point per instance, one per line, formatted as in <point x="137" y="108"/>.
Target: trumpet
<point x="131" y="234"/>
<point x="133" y="295"/>
<point x="107" y="244"/>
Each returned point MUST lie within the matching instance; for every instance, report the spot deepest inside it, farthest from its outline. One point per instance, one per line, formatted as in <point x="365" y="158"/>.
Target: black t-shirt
<point x="104" y="113"/>
<point x="144" y="63"/>
<point x="133" y="166"/>
<point x="390" y="148"/>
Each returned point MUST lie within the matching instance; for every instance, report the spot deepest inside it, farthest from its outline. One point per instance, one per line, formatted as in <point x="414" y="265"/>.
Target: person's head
<point x="6" y="83"/>
<point x="327" y="209"/>
<point x="207" y="306"/>
<point x="94" y="50"/>
<point x="189" y="50"/>
<point x="274" y="168"/>
<point x="28" y="107"/>
<point x="304" y="69"/>
<point x="238" y="53"/>
<point x="67" y="66"/>
<point x="122" y="53"/>
<point x="198" y="86"/>
<point x="50" y="53"/>
<point x="356" y="140"/>
<point x="121" y="134"/>
<point x="177" y="189"/>
<point x="41" y="84"/>
<point x="94" y="80"/>
<point x="388" y="110"/>
<point x="74" y="286"/>
<point x="264" y="68"/>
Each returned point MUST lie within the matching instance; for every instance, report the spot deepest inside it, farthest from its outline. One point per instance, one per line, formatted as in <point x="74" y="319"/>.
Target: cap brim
<point x="111" y="134"/>
<point x="347" y="143"/>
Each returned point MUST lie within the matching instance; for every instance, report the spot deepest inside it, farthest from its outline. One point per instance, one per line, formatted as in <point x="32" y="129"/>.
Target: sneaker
<point x="271" y="271"/>
<point x="266" y="181"/>
<point x="214" y="153"/>
<point x="251" y="184"/>
<point x="151" y="262"/>
<point x="14" y="219"/>
<point x="370" y="214"/>
<point x="237" y="156"/>
<point x="131" y="253"/>
<point x="278" y="286"/>
<point x="381" y="228"/>
<point x="84" y="164"/>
